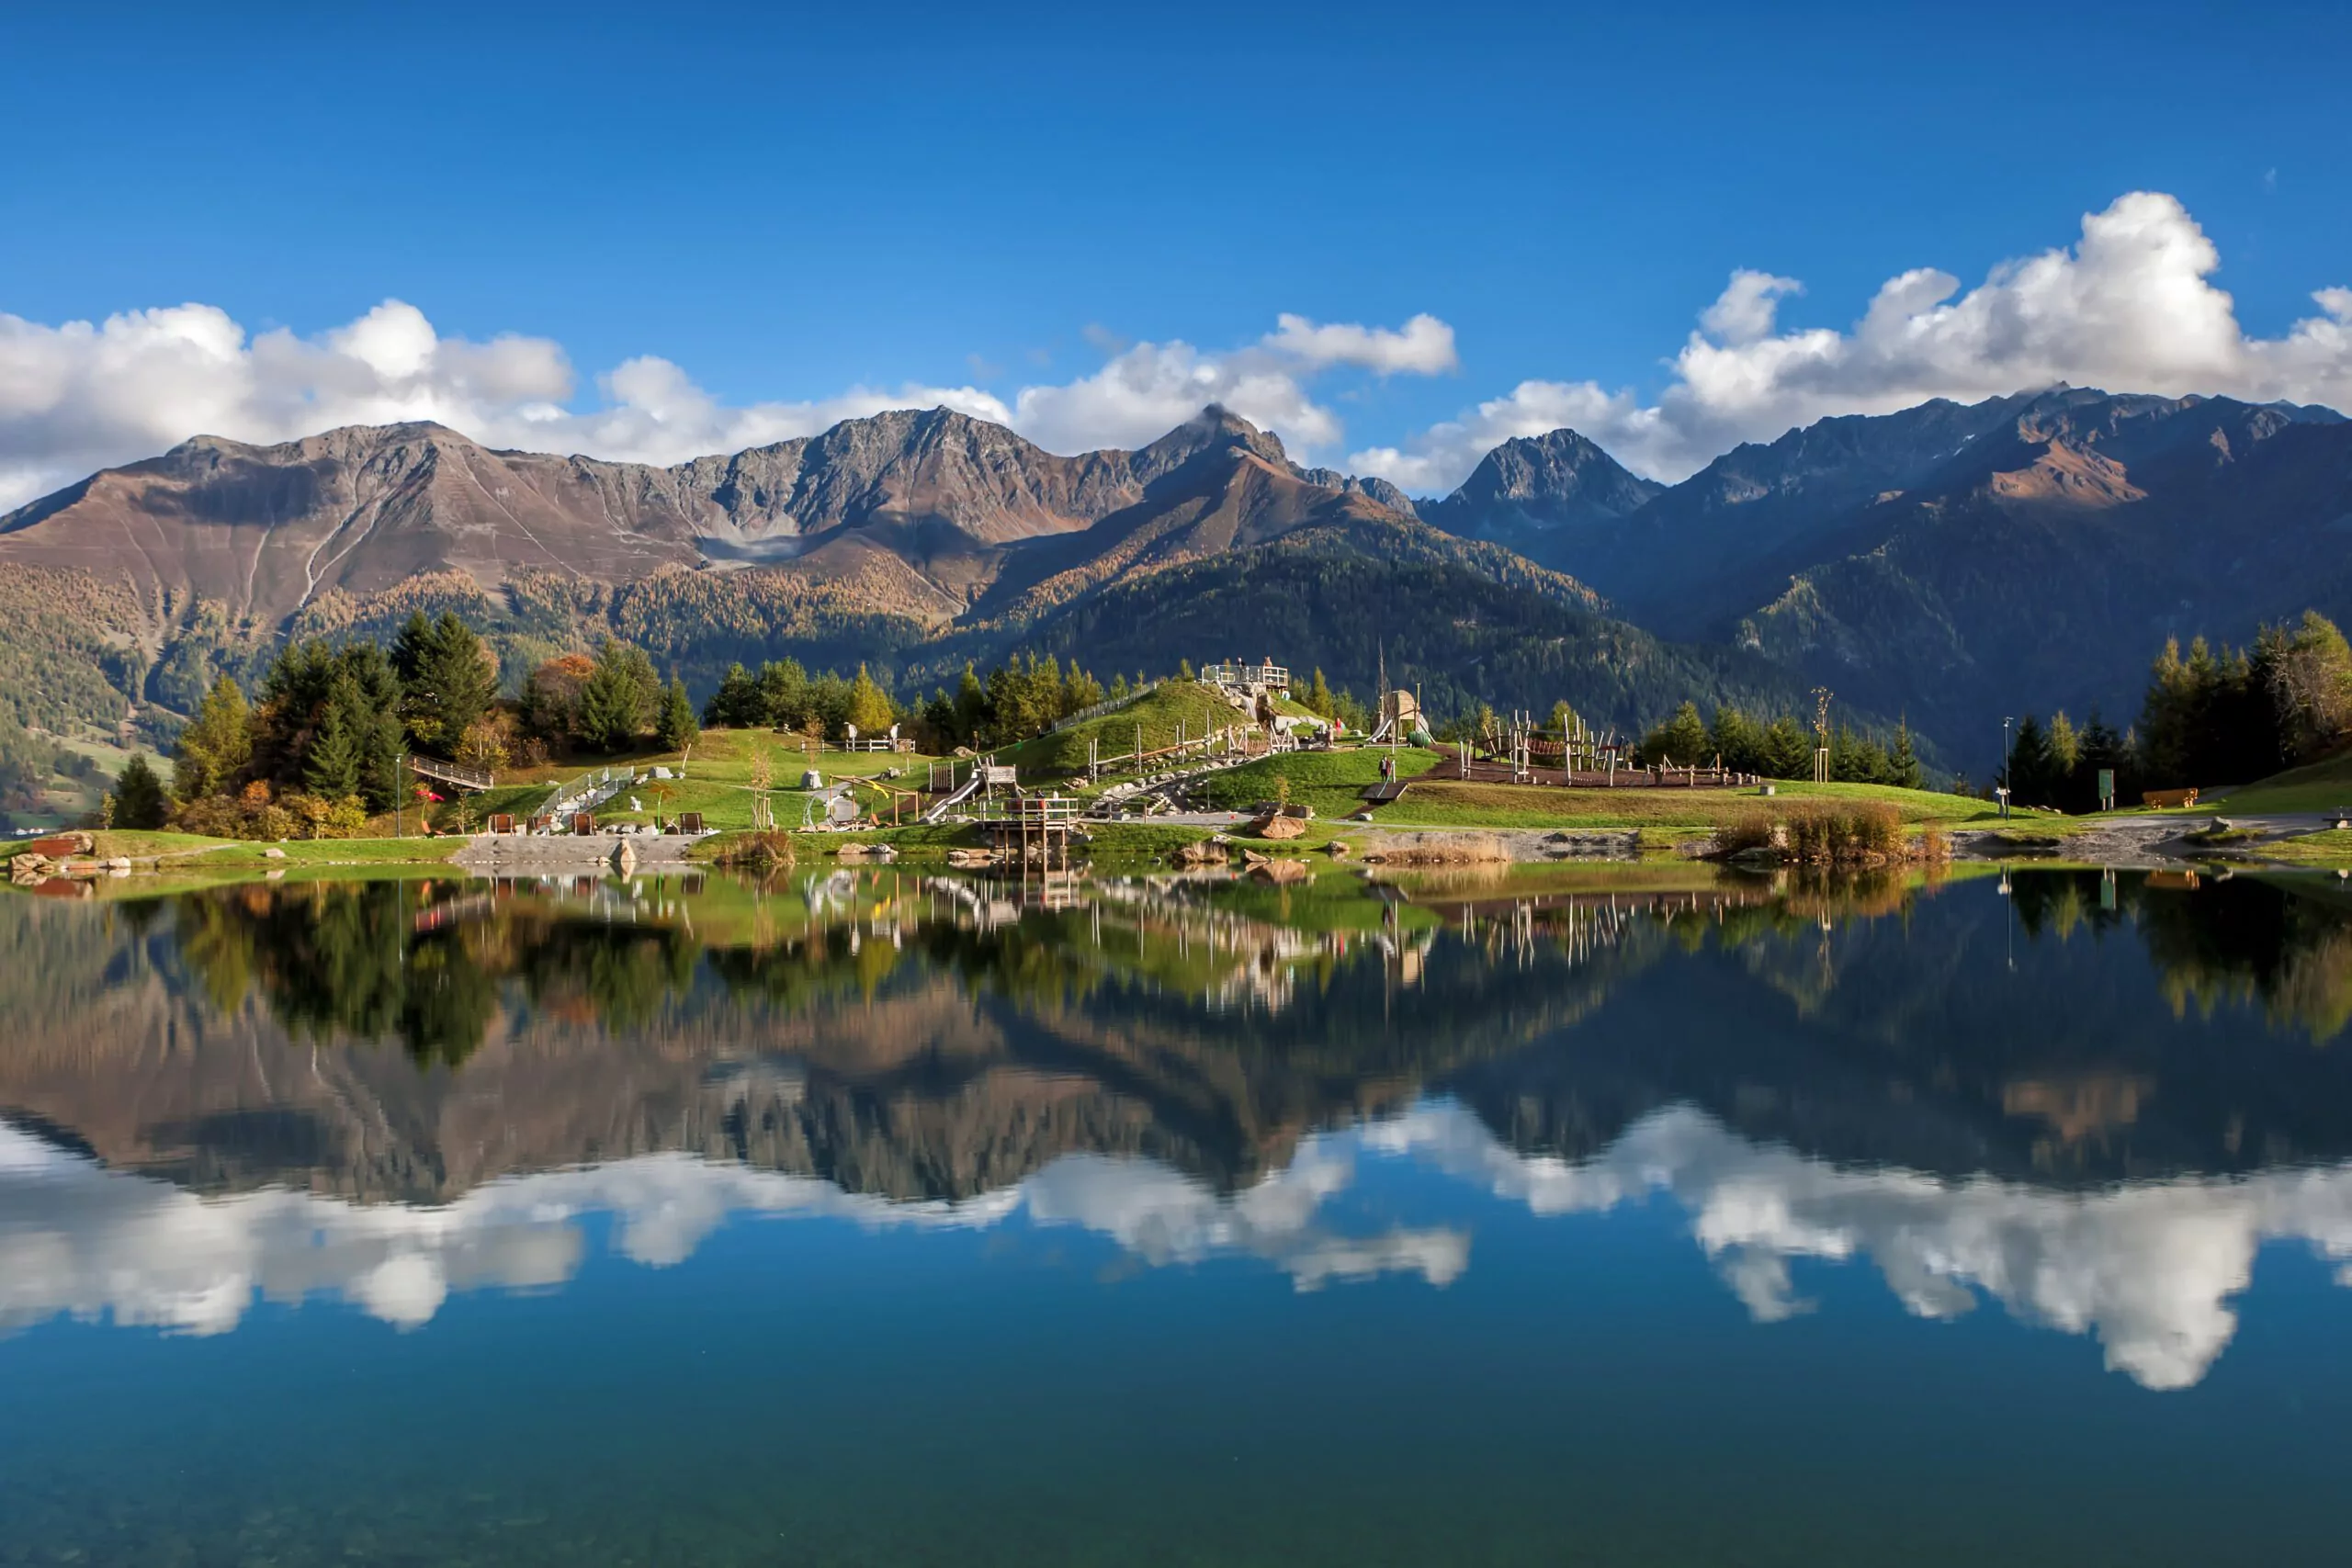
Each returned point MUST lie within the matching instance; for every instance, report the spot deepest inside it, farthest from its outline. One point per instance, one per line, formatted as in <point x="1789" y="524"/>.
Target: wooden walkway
<point x="455" y="774"/>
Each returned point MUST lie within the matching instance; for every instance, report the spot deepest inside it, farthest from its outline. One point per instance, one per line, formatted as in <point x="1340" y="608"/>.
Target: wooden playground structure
<point x="1515" y="752"/>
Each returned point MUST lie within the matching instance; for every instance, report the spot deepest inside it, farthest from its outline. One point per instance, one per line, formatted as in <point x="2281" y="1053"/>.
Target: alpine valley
<point x="1947" y="563"/>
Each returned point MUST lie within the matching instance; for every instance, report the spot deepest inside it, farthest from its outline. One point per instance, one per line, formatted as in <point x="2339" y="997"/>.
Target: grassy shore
<point x="1333" y="782"/>
<point x="2324" y="785"/>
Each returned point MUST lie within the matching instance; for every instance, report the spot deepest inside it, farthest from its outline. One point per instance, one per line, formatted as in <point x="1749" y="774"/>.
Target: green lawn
<point x="2330" y="849"/>
<point x="2324" y="785"/>
<point x="718" y="781"/>
<point x="1062" y="755"/>
<point x="1333" y="784"/>
<point x="1331" y="781"/>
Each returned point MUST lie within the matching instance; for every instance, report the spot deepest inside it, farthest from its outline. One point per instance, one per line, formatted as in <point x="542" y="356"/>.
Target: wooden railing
<point x="454" y="773"/>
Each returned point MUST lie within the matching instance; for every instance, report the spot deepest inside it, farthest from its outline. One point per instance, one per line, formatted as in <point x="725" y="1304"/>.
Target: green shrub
<point x="1756" y="830"/>
<point x="1864" y="832"/>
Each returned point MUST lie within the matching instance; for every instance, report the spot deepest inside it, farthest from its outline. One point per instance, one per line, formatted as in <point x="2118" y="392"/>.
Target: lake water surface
<point x="1614" y="1216"/>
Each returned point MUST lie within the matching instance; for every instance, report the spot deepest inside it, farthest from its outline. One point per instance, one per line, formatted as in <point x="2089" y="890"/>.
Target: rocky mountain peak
<point x="1534" y="486"/>
<point x="1558" y="473"/>
<point x="1214" y="430"/>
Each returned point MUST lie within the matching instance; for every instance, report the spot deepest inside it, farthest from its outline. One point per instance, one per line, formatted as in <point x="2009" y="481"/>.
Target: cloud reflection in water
<point x="2150" y="1269"/>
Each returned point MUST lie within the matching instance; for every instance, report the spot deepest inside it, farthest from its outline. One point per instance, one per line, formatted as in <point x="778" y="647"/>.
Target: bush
<point x="767" y="847"/>
<point x="254" y="814"/>
<point x="1864" y="833"/>
<point x="1756" y="831"/>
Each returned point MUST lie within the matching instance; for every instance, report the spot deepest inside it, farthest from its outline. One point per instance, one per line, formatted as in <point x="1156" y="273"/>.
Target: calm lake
<point x="1616" y="1215"/>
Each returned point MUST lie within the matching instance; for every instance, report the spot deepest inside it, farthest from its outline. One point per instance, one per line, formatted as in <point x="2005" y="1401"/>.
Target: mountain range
<point x="1949" y="562"/>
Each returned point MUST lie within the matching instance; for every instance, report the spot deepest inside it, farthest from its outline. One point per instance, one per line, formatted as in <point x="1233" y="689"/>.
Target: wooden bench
<point x="2166" y="800"/>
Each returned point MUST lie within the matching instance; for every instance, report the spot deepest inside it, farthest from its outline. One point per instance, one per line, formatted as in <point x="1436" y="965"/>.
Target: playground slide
<point x="1417" y="736"/>
<point x="962" y="792"/>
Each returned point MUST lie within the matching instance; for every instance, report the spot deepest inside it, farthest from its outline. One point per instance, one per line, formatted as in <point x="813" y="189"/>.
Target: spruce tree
<point x="1681" y="741"/>
<point x="676" y="729"/>
<point x="972" y="711"/>
<point x="785" y="699"/>
<point x="2030" y="773"/>
<point x="412" y="648"/>
<point x="1737" y="739"/>
<point x="612" y="709"/>
<point x="736" y="704"/>
<point x="1788" y="749"/>
<point x="1902" y="768"/>
<point x="138" y="795"/>
<point x="333" y="768"/>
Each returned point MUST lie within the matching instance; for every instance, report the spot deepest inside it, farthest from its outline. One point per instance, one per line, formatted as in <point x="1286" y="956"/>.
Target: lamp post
<point x="2009" y="784"/>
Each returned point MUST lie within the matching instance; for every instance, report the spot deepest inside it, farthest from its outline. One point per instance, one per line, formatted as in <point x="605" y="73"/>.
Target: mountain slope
<point x="1963" y="562"/>
<point x="2046" y="567"/>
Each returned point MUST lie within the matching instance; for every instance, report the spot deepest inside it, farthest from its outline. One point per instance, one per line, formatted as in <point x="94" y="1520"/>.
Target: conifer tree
<point x="1902" y="768"/>
<point x="215" y="745"/>
<point x="138" y="795"/>
<point x="446" y="680"/>
<point x="869" y="706"/>
<point x="676" y="729"/>
<point x="737" y="704"/>
<point x="1788" y="749"/>
<point x="2066" y="747"/>
<point x="785" y="699"/>
<point x="333" y="767"/>
<point x="613" y="707"/>
<point x="1681" y="739"/>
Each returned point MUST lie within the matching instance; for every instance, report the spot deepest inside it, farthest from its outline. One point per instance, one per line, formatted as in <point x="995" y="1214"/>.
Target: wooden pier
<point x="1034" y="829"/>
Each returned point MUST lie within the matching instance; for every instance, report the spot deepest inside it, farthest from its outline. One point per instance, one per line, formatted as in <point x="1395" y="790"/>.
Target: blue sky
<point x="785" y="203"/>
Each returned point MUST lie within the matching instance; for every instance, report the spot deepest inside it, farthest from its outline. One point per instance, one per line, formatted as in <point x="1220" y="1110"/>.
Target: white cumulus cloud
<point x="2131" y="306"/>
<point x="83" y="395"/>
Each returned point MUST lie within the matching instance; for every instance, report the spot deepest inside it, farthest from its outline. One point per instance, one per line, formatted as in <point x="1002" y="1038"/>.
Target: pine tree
<point x="676" y="729"/>
<point x="612" y="709"/>
<point x="333" y="767"/>
<point x="1319" y="695"/>
<point x="1681" y="741"/>
<point x="446" y="680"/>
<point x="1902" y="768"/>
<point x="412" y="647"/>
<point x="1737" y="739"/>
<point x="138" y="795"/>
<point x="972" y="712"/>
<point x="2031" y="774"/>
<point x="785" y="698"/>
<point x="737" y="703"/>
<point x="1788" y="749"/>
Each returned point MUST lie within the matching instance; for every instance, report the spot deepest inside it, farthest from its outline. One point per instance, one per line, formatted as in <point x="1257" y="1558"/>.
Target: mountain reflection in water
<point x="2091" y="1098"/>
